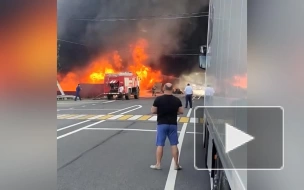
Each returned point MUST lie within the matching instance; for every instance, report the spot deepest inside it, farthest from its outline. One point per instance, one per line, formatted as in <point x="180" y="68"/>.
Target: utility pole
<point x="58" y="69"/>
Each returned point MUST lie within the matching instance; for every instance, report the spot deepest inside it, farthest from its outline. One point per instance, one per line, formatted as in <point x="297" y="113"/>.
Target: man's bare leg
<point x="175" y="154"/>
<point x="174" y="151"/>
<point x="159" y="155"/>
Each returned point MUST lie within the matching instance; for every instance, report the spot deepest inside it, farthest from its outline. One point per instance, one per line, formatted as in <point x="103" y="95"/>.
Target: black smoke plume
<point x="172" y="42"/>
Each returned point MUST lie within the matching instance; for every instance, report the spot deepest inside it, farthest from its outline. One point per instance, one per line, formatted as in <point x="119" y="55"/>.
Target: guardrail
<point x="65" y="97"/>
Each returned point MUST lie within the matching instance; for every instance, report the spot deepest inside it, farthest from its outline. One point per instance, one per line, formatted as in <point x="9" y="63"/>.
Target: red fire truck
<point x="130" y="82"/>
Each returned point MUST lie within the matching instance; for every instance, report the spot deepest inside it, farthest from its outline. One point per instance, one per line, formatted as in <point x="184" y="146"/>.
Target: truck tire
<point x="110" y="97"/>
<point x="127" y="97"/>
<point x="136" y="96"/>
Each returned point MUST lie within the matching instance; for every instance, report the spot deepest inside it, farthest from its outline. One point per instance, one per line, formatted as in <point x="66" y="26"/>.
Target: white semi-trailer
<point x="226" y="73"/>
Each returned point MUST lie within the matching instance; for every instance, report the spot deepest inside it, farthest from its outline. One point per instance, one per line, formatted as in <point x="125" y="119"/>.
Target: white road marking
<point x="131" y="110"/>
<point x="69" y="126"/>
<point x="122" y="129"/>
<point x="61" y="116"/>
<point x="83" y="106"/>
<point x="58" y="110"/>
<point x="192" y="120"/>
<point x="170" y="183"/>
<point x="88" y="102"/>
<point x="75" y="117"/>
<point x="115" y="117"/>
<point x="135" y="117"/>
<point x="75" y="131"/>
<point x="138" y="106"/>
<point x="108" y="101"/>
<point x="94" y="117"/>
<point x="88" y="109"/>
<point x="195" y="133"/>
<point x="75" y="124"/>
<point x="128" y="129"/>
<point x="189" y="112"/>
<point x="153" y="118"/>
<point x="70" y="108"/>
<point x="93" y="104"/>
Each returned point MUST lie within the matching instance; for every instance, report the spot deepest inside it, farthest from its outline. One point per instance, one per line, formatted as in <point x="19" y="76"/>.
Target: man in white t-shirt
<point x="188" y="92"/>
<point x="209" y="92"/>
<point x="120" y="90"/>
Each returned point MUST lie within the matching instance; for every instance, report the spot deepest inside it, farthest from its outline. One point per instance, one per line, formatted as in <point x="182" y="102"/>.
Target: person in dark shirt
<point x="167" y="107"/>
<point x="78" y="89"/>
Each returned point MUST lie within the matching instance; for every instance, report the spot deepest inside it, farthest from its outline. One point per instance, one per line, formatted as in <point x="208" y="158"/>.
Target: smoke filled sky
<point x="165" y="36"/>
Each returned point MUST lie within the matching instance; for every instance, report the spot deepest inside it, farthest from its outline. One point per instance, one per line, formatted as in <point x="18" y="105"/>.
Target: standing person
<point x="153" y="91"/>
<point x="189" y="92"/>
<point x="120" y="90"/>
<point x="78" y="89"/>
<point x="209" y="92"/>
<point x="167" y="107"/>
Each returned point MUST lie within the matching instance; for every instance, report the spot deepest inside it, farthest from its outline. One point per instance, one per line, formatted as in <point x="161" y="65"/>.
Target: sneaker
<point x="178" y="168"/>
<point x="154" y="167"/>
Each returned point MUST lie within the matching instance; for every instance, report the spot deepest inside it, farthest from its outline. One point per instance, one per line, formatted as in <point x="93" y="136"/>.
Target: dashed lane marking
<point x="96" y="117"/>
<point x="76" y="117"/>
<point x="127" y="118"/>
<point x="115" y="117"/>
<point x="106" y="117"/>
<point x="153" y="118"/>
<point x="68" y="116"/>
<point x="86" y="116"/>
<point x="193" y="120"/>
<point x="184" y="119"/>
<point x="144" y="117"/>
<point x="135" y="117"/>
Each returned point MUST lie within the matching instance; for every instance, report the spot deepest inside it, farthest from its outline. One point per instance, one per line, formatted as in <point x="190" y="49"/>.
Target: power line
<point x="149" y="51"/>
<point x="72" y="42"/>
<point x="162" y="17"/>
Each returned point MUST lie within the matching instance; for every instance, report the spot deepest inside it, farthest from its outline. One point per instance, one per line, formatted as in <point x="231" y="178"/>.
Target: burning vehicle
<point x="129" y="81"/>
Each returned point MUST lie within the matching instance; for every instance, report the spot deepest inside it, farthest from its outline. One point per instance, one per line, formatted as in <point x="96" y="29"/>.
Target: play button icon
<point x="243" y="137"/>
<point x="235" y="138"/>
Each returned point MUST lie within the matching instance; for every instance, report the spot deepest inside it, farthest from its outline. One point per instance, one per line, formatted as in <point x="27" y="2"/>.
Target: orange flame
<point x="240" y="81"/>
<point x="111" y="63"/>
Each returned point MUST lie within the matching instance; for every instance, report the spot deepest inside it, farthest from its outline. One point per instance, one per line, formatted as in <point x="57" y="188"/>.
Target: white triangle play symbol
<point x="235" y="138"/>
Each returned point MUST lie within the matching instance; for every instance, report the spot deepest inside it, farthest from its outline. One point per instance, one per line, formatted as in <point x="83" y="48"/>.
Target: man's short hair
<point x="188" y="84"/>
<point x="168" y="87"/>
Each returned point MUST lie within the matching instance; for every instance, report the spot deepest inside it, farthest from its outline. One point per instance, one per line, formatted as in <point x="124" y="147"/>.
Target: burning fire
<point x="240" y="81"/>
<point x="112" y="63"/>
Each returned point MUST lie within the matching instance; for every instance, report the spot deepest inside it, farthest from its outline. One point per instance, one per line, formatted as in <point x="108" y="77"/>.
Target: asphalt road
<point x="109" y="145"/>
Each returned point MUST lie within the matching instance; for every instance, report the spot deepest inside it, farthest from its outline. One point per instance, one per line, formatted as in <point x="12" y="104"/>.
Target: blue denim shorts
<point x="164" y="131"/>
